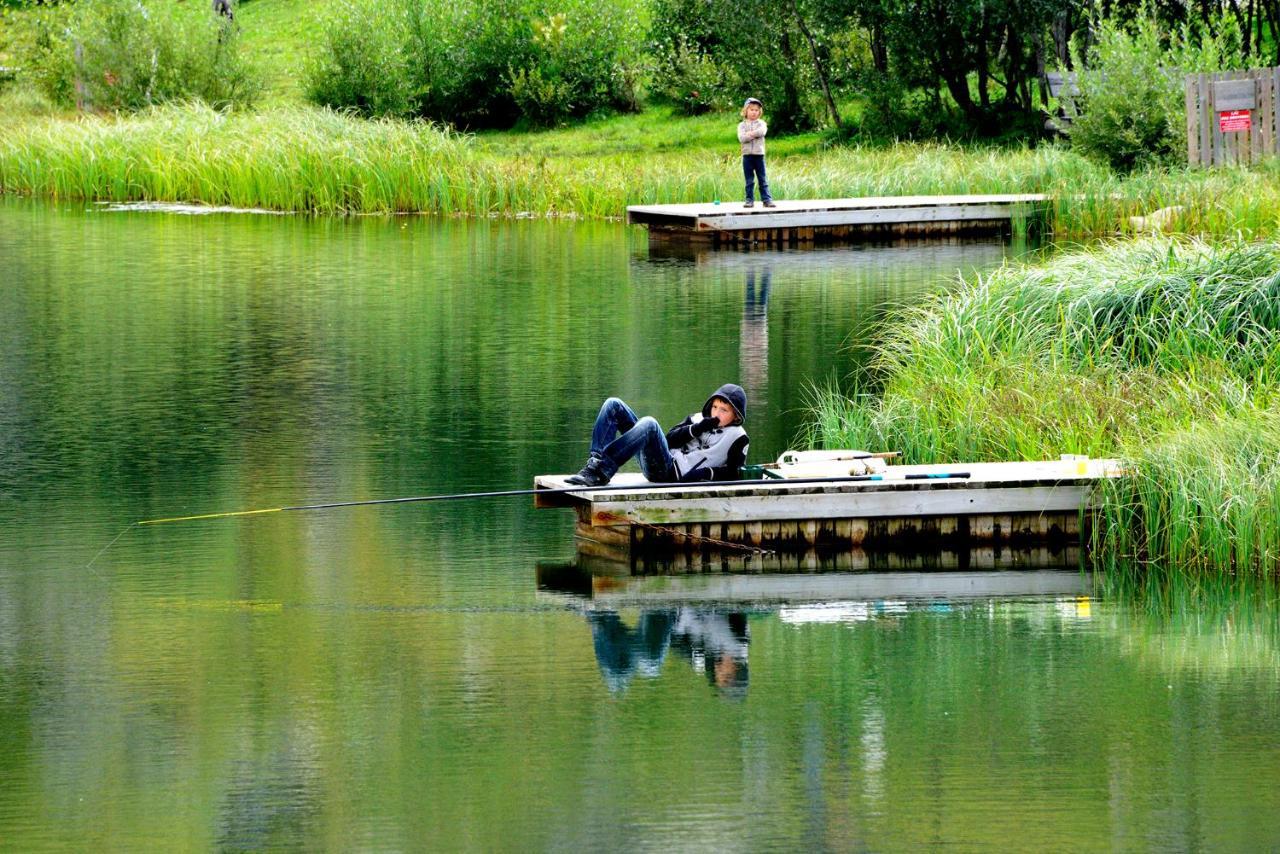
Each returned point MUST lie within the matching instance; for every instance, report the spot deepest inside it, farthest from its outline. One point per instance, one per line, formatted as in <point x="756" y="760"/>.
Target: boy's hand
<point x="706" y="425"/>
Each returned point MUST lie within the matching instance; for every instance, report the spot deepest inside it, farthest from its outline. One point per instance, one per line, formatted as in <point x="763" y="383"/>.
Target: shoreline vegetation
<point x="1162" y="351"/>
<point x="1159" y="349"/>
<point x="315" y="160"/>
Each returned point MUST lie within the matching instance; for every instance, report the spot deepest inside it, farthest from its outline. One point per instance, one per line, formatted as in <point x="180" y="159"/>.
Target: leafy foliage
<point x="130" y="54"/>
<point x="480" y="64"/>
<point x="365" y="67"/>
<point x="1131" y="87"/>
<point x="690" y="79"/>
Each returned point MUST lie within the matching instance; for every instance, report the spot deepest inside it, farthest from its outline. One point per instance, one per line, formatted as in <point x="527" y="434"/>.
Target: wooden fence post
<point x="1193" y="135"/>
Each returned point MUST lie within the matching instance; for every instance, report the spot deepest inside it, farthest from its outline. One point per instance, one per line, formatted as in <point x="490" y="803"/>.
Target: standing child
<point x="751" y="131"/>
<point x="708" y="445"/>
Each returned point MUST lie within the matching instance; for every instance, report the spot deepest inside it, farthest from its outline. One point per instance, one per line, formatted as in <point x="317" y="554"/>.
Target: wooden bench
<point x="1064" y="87"/>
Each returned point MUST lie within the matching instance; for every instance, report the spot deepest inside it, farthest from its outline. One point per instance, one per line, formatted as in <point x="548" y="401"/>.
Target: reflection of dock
<point x="828" y="220"/>
<point x="589" y="581"/>
<point x="917" y="508"/>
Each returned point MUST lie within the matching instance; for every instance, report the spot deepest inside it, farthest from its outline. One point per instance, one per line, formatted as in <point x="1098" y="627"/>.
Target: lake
<point x="444" y="676"/>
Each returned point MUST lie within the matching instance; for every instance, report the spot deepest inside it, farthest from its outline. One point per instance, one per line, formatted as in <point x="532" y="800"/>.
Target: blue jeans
<point x="639" y="436"/>
<point x="753" y="168"/>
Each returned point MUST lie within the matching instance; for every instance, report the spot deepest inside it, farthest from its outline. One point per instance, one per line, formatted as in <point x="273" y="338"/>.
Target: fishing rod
<point x="508" y="493"/>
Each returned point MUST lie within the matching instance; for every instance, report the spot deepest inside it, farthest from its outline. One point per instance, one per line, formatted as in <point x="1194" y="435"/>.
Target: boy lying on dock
<point x="707" y="445"/>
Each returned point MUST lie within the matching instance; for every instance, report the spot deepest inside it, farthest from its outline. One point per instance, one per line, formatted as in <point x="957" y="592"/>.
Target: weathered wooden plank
<point x="758" y="508"/>
<point x="1193" y="137"/>
<point x="1255" y="137"/>
<point x="1206" y="120"/>
<point x="1235" y="93"/>
<point x="617" y="535"/>
<point x="1275" y="110"/>
<point x="756" y="223"/>
<point x="1266" y="126"/>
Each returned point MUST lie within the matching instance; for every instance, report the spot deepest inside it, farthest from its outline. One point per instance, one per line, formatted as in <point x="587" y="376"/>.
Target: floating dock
<point x="1005" y="506"/>
<point x="794" y="222"/>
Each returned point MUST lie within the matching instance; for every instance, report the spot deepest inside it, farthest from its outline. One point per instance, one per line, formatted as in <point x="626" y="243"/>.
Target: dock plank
<point x="809" y="220"/>
<point x="1041" y="501"/>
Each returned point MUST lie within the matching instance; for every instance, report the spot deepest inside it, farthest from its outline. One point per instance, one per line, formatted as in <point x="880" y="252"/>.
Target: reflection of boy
<point x="714" y="643"/>
<point x="621" y="651"/>
<point x="711" y="445"/>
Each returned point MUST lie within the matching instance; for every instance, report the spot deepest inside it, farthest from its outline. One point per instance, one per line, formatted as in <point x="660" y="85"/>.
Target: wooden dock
<point x="794" y="222"/>
<point x="1016" y="505"/>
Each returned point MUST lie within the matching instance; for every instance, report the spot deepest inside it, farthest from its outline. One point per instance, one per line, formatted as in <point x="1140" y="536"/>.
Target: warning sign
<point x="1234" y="121"/>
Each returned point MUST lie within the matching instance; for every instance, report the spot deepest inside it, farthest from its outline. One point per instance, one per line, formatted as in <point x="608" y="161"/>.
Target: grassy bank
<point x="1166" y="353"/>
<point x="306" y="159"/>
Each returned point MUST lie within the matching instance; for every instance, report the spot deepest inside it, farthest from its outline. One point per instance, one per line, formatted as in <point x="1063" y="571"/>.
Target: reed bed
<point x="309" y="159"/>
<point x="1165" y="352"/>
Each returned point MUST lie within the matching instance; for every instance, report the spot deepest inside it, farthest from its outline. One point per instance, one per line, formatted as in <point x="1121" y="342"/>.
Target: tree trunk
<point x="984" y="66"/>
<point x="790" y="92"/>
<point x="1041" y="79"/>
<point x="879" y="51"/>
<point x="817" y="65"/>
<point x="1245" y="28"/>
<point x="958" y="86"/>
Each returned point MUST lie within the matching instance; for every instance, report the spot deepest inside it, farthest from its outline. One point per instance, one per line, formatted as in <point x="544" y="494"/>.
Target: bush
<point x="482" y="64"/>
<point x="1131" y="89"/>
<point x="692" y="81"/>
<point x="365" y="65"/>
<point x="542" y="101"/>
<point x="130" y="54"/>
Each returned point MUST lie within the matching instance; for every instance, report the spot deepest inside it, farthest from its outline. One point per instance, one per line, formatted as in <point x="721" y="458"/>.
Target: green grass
<point x="273" y="158"/>
<point x="276" y="34"/>
<point x="1163" y="352"/>
<point x="268" y="158"/>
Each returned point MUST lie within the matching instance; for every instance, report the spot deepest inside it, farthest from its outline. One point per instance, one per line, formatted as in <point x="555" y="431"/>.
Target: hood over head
<point x="735" y="395"/>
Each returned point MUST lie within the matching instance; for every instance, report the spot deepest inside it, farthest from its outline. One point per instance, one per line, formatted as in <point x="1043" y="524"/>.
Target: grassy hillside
<point x="276" y="34"/>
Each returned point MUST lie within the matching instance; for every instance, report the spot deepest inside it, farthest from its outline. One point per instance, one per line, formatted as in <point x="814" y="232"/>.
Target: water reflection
<point x="753" y="355"/>
<point x="713" y="642"/>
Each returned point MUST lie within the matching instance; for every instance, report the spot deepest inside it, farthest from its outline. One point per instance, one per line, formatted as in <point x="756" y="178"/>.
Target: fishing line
<point x="102" y="551"/>
<point x="508" y="493"/>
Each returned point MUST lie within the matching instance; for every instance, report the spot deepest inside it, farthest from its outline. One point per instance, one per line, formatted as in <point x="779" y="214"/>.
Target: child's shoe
<point x="770" y="204"/>
<point x="591" y="474"/>
<point x="749" y="204"/>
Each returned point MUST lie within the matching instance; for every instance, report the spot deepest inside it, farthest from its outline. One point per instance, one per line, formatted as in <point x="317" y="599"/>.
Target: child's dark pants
<point x="752" y="169"/>
<point x="639" y="437"/>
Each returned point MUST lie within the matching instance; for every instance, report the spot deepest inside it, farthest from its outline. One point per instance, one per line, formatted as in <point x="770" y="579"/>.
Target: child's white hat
<point x="751" y="101"/>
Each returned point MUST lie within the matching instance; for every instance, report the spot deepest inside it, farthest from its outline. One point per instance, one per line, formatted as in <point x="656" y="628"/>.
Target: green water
<point x="397" y="678"/>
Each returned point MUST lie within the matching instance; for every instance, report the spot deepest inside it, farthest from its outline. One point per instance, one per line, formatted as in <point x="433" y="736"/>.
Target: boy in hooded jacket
<point x="707" y="445"/>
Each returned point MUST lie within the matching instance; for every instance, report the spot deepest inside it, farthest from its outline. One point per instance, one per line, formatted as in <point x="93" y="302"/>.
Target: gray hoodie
<point x="751" y="135"/>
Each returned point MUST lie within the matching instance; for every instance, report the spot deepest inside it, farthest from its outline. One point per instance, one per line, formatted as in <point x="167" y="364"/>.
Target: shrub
<point x="1131" y="88"/>
<point x="692" y="81"/>
<point x="542" y="101"/>
<point x="365" y="65"/>
<point x="129" y="54"/>
<point x="481" y="64"/>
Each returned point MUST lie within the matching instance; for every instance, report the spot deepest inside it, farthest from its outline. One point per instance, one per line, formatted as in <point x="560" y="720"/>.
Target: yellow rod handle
<point x="211" y="516"/>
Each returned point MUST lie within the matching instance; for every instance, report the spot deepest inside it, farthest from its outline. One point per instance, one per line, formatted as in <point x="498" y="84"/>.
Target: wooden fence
<point x="1231" y="116"/>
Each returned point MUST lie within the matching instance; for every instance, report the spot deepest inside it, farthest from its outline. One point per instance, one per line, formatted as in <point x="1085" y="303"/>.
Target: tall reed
<point x="1164" y="352"/>
<point x="1202" y="503"/>
<point x="310" y="159"/>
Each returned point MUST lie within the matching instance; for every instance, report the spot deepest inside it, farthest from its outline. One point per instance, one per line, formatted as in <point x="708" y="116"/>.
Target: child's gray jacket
<point x="751" y="135"/>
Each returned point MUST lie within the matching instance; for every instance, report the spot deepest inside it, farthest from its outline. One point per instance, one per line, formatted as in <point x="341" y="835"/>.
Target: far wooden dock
<point x="799" y="221"/>
<point x="1012" y="505"/>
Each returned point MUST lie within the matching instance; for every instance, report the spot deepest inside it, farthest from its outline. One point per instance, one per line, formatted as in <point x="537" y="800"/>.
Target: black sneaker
<point x="770" y="204"/>
<point x="591" y="475"/>
<point x="748" y="204"/>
